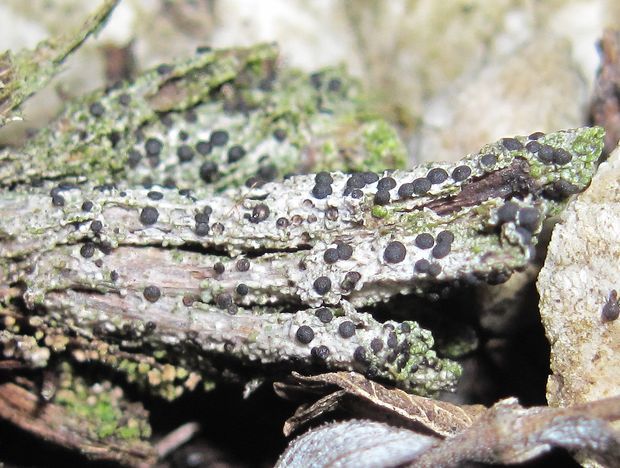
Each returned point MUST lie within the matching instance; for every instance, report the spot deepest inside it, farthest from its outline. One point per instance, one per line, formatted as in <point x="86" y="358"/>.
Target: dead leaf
<point x="506" y="433"/>
<point x="437" y="416"/>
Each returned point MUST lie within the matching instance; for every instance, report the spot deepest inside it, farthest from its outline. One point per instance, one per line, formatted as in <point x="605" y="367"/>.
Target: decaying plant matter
<point x="148" y="228"/>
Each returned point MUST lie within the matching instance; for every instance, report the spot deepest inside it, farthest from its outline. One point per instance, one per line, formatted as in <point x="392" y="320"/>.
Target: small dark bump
<point x="331" y="213"/>
<point x="437" y="175"/>
<point x="360" y="355"/>
<point x="320" y="352"/>
<point x="421" y="266"/>
<point x="96" y="109"/>
<point x="223" y="300"/>
<point x="320" y="191"/>
<point x="153" y="147"/>
<point x="322" y="285"/>
<point x="151" y="293"/>
<point x="105" y="247"/>
<point x="323" y="178"/>
<point x="154" y="195"/>
<point x="561" y="156"/>
<point x="282" y="223"/>
<point x="133" y="158"/>
<point x="382" y="197"/>
<point x="185" y="153"/>
<point x="191" y="116"/>
<point x="163" y="69"/>
<point x="242" y="289"/>
<point x="114" y="275"/>
<point x="611" y="309"/>
<point x="434" y="269"/>
<point x="351" y="278"/>
<point x="259" y="213"/>
<point x="392" y="340"/>
<point x="445" y="237"/>
<point x="511" y="144"/>
<point x="183" y="135"/>
<point x="124" y="99"/>
<point x="346" y="329"/>
<point x="536" y="135"/>
<point x="347" y="191"/>
<point x="424" y="241"/>
<point x="96" y="226"/>
<point x="253" y="182"/>
<point x="370" y="177"/>
<point x="422" y="185"/>
<point x="235" y="153"/>
<point x="441" y="250"/>
<point x="533" y="146"/>
<point x="395" y="252"/>
<point x="460" y="173"/>
<point x="202" y="229"/>
<point x="219" y="138"/>
<point x="304" y="334"/>
<point x="219" y="268"/>
<point x="324" y="314"/>
<point x="387" y="183"/>
<point x="203" y="147"/>
<point x="58" y="200"/>
<point x="243" y="264"/>
<point x="405" y="327"/>
<point x="406" y="190"/>
<point x="526" y="234"/>
<point x="565" y="188"/>
<point x="334" y="85"/>
<point x="545" y="154"/>
<point x="507" y="212"/>
<point x="209" y="171"/>
<point x="202" y="217"/>
<point x="268" y="172"/>
<point x="356" y="181"/>
<point x="345" y="251"/>
<point x="528" y="218"/>
<point x="330" y="256"/>
<point x="87" y="205"/>
<point x="357" y="194"/>
<point x="376" y="345"/>
<point x="279" y="134"/>
<point x="87" y="250"/>
<point x="488" y="160"/>
<point x="149" y="215"/>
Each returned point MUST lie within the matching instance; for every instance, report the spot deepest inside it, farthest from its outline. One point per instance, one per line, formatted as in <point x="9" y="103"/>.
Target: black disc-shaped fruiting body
<point x="324" y="314"/>
<point x="424" y="240"/>
<point x="346" y="329"/>
<point x="152" y="293"/>
<point x="322" y="285"/>
<point x="331" y="256"/>
<point x="243" y="264"/>
<point x="437" y="175"/>
<point x="461" y="173"/>
<point x="421" y="185"/>
<point x="149" y="215"/>
<point x="320" y="352"/>
<point x="304" y="334"/>
<point x="345" y="251"/>
<point x="259" y="213"/>
<point x="394" y="252"/>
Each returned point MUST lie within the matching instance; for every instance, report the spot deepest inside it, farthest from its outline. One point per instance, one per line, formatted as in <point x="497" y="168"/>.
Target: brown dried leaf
<point x="439" y="417"/>
<point x="506" y="433"/>
<point x="509" y="433"/>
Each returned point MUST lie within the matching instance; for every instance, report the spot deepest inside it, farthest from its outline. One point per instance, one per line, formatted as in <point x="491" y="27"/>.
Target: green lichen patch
<point x="101" y="410"/>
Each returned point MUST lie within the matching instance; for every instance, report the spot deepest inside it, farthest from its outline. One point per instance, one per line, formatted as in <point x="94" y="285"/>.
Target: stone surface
<point x="580" y="271"/>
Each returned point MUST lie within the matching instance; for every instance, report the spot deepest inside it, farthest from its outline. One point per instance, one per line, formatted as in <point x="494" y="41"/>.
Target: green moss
<point x="383" y="146"/>
<point x="379" y="211"/>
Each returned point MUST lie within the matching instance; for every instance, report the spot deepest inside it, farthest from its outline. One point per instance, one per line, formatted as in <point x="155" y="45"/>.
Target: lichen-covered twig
<point x="26" y="72"/>
<point x="257" y="274"/>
